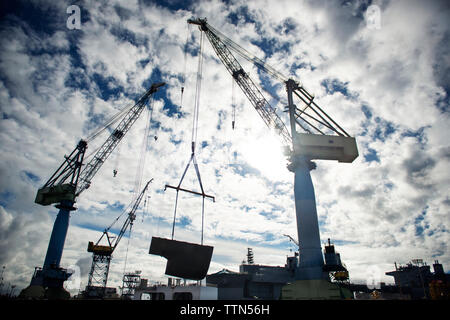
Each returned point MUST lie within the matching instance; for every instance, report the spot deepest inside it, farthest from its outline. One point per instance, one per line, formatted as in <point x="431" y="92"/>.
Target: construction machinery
<point x="313" y="135"/>
<point x="102" y="254"/>
<point x="67" y="183"/>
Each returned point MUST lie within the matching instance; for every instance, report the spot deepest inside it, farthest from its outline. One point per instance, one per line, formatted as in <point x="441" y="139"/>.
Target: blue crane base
<point x="51" y="274"/>
<point x="311" y="258"/>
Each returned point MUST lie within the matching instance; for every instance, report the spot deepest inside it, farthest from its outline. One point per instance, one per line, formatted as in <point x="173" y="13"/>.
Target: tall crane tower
<point x="102" y="254"/>
<point x="312" y="135"/>
<point x="69" y="181"/>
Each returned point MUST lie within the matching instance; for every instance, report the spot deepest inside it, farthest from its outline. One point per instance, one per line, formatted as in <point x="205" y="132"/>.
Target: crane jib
<point x="69" y="180"/>
<point x="310" y="118"/>
<point x="249" y="88"/>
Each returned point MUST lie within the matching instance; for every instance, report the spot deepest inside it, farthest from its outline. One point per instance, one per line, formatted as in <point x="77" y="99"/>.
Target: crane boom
<point x="250" y="89"/>
<point x="311" y="118"/>
<point x="113" y="140"/>
<point x="131" y="215"/>
<point x="69" y="180"/>
<point x="113" y="241"/>
<point x="102" y="254"/>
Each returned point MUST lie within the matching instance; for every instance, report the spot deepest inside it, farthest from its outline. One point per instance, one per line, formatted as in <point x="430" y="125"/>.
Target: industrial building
<point x="174" y="290"/>
<point x="416" y="279"/>
<point x="255" y="281"/>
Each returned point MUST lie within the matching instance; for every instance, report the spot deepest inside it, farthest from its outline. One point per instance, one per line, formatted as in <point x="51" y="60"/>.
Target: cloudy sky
<point x="382" y="74"/>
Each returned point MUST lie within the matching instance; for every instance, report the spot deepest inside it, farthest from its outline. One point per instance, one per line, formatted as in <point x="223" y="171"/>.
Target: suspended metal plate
<point x="184" y="260"/>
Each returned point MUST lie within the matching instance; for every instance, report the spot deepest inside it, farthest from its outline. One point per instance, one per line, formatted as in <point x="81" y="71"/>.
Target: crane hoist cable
<point x="249" y="56"/>
<point x="192" y="158"/>
<point x="136" y="202"/>
<point x="113" y="120"/>
<point x="126" y="253"/>
<point x="145" y="212"/>
<point x="116" y="161"/>
<point x="198" y="88"/>
<point x="143" y="151"/>
<point x="118" y="148"/>
<point x="116" y="117"/>
<point x="183" y="76"/>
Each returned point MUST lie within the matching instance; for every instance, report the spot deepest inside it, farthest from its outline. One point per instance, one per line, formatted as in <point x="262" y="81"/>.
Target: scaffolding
<point x="130" y="282"/>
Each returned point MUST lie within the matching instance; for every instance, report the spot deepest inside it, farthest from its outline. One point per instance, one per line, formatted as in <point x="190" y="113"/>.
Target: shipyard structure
<point x="254" y="281"/>
<point x="310" y="134"/>
<point x="413" y="281"/>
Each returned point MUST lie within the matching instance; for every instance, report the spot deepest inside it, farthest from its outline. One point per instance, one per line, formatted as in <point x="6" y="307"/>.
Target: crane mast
<point x="69" y="181"/>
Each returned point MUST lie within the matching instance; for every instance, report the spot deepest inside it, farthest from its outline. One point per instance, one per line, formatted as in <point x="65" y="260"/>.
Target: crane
<point x="71" y="179"/>
<point x="102" y="254"/>
<point x="319" y="137"/>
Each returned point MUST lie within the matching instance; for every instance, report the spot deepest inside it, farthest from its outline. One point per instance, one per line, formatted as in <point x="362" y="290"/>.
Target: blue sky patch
<point x="367" y="112"/>
<point x="300" y="65"/>
<point x="108" y="86"/>
<point x="389" y="185"/>
<point x="242" y="13"/>
<point x="244" y="169"/>
<point x="338" y="242"/>
<point x="383" y="129"/>
<point x="184" y="221"/>
<point x="271" y="46"/>
<point x="371" y="155"/>
<point x="172" y="4"/>
<point x="31" y="176"/>
<point x="123" y="34"/>
<point x="6" y="197"/>
<point x="289" y="25"/>
<point x="335" y="85"/>
<point x="419" y="134"/>
<point x="171" y="109"/>
<point x="420" y="225"/>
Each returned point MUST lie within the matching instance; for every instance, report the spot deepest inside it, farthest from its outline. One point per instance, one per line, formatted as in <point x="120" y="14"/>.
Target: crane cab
<point x="55" y="194"/>
<point x="99" y="249"/>
<point x="326" y="147"/>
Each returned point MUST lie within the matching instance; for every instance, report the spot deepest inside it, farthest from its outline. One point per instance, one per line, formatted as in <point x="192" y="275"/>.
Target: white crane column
<point x="311" y="259"/>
